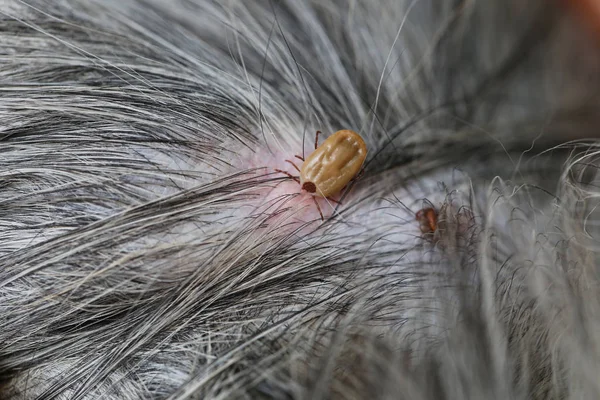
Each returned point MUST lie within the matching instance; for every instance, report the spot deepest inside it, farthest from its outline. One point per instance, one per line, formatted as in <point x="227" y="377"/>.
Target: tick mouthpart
<point x="309" y="187"/>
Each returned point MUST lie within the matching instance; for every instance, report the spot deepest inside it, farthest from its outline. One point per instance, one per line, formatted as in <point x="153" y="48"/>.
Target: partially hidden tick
<point x="427" y="218"/>
<point x="331" y="166"/>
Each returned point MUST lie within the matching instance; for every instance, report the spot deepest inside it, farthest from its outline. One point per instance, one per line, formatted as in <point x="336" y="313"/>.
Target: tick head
<point x="309" y="187"/>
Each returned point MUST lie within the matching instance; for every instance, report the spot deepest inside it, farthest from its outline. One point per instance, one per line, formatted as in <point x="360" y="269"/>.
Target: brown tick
<point x="331" y="166"/>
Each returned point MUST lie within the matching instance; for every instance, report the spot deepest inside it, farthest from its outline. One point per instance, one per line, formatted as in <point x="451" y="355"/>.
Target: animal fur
<point x="149" y="251"/>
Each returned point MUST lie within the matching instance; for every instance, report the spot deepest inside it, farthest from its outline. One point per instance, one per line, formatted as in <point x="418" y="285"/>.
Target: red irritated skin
<point x="282" y="196"/>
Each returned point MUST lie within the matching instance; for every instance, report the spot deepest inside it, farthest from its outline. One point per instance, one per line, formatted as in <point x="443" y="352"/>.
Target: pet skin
<point x="149" y="250"/>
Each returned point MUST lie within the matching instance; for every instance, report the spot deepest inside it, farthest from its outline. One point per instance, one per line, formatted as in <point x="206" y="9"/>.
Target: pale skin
<point x="331" y="166"/>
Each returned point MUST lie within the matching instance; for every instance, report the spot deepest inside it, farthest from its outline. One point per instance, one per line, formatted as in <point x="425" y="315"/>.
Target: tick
<point x="427" y="218"/>
<point x="331" y="166"/>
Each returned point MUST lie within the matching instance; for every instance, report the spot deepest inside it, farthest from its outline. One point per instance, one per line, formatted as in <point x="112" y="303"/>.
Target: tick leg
<point x="335" y="201"/>
<point x="317" y="139"/>
<point x="318" y="208"/>
<point x="300" y="157"/>
<point x="288" y="174"/>
<point x="294" y="165"/>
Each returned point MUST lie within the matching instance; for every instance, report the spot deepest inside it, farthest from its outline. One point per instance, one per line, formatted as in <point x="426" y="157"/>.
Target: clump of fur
<point x="141" y="258"/>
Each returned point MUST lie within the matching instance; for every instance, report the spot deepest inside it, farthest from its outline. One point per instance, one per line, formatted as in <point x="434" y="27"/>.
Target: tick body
<point x="427" y="218"/>
<point x="332" y="165"/>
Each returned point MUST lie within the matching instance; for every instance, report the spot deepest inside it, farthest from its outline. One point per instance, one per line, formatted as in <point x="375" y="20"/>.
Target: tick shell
<point x="333" y="164"/>
<point x="427" y="218"/>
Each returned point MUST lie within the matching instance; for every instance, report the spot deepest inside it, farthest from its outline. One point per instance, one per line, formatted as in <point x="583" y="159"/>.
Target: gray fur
<point x="141" y="259"/>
